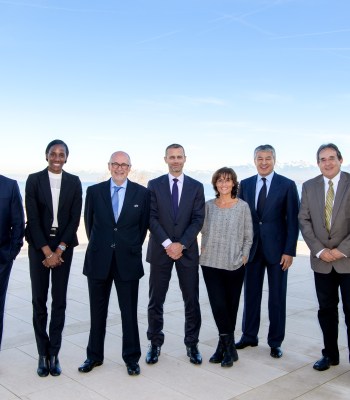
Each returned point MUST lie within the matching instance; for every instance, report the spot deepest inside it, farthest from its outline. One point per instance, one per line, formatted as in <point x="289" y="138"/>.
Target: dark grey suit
<point x="184" y="229"/>
<point x="329" y="276"/>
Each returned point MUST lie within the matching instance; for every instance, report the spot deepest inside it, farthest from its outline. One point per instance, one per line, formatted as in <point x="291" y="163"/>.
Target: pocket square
<point x="136" y="205"/>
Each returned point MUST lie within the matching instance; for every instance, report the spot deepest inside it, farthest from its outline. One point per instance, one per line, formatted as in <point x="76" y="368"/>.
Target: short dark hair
<point x="225" y="172"/>
<point x="265" y="147"/>
<point x="174" y="146"/>
<point x="53" y="143"/>
<point x="328" y="146"/>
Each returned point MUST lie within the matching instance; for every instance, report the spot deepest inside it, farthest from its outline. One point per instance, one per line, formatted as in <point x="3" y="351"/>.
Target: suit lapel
<point x="341" y="190"/>
<point x="320" y="198"/>
<point x="164" y="188"/>
<point x="129" y="194"/>
<point x="46" y="189"/>
<point x="271" y="195"/>
<point x="184" y="199"/>
<point x="64" y="190"/>
<point x="106" y="197"/>
<point x="251" y="189"/>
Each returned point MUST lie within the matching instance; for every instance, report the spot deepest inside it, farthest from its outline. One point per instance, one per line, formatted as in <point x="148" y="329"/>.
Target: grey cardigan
<point x="227" y="235"/>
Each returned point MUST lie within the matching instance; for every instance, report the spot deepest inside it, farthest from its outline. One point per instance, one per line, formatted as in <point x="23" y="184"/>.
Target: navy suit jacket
<point x="11" y="220"/>
<point x="124" y="238"/>
<point x="278" y="228"/>
<point x="184" y="229"/>
<point x="38" y="202"/>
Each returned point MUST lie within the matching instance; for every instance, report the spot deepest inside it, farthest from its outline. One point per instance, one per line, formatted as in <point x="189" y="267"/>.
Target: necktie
<point x="175" y="197"/>
<point x="261" y="199"/>
<point x="115" y="202"/>
<point x="329" y="205"/>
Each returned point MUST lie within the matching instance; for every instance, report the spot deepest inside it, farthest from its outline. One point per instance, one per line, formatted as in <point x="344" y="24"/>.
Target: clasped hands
<point x="174" y="250"/>
<point x="329" y="255"/>
<point x="54" y="260"/>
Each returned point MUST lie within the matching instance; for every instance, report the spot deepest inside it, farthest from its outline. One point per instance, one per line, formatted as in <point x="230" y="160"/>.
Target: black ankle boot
<point x="55" y="367"/>
<point x="217" y="357"/>
<point x="43" y="366"/>
<point x="230" y="352"/>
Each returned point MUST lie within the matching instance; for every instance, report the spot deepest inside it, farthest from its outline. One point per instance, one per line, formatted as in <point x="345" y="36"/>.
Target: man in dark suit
<point x="325" y="225"/>
<point x="274" y="204"/>
<point x="116" y="222"/>
<point x="177" y="216"/>
<point x="11" y="235"/>
<point x="53" y="203"/>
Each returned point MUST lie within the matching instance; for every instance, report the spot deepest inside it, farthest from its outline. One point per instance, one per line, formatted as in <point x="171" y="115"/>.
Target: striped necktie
<point x="329" y="205"/>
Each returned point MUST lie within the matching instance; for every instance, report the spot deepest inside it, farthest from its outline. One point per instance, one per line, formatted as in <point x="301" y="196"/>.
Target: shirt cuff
<point x="166" y="243"/>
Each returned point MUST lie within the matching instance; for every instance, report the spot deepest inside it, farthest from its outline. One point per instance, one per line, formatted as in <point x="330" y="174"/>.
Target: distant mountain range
<point x="298" y="171"/>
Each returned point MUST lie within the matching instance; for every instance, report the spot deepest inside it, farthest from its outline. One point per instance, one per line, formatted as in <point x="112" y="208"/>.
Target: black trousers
<point x="253" y="287"/>
<point x="327" y="290"/>
<point x="5" y="271"/>
<point x="158" y="287"/>
<point x="224" y="291"/>
<point x="99" y="293"/>
<point x="49" y="343"/>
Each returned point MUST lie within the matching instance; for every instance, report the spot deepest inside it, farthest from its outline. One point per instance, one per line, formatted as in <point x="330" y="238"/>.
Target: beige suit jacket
<point x="313" y="227"/>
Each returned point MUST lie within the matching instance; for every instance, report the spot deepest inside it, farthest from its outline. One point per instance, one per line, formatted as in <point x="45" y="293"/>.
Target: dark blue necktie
<point x="115" y="202"/>
<point x="175" y="197"/>
<point x="261" y="199"/>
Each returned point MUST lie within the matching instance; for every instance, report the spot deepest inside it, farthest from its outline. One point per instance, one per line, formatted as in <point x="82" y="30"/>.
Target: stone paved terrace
<point x="256" y="376"/>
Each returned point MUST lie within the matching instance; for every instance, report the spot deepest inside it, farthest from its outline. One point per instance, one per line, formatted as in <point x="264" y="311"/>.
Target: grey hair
<point x="265" y="147"/>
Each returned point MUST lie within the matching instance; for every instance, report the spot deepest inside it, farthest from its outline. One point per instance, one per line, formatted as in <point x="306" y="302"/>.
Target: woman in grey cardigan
<point x="227" y="236"/>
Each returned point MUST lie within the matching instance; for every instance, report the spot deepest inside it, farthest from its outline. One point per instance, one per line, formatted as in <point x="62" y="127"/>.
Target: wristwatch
<point x="62" y="247"/>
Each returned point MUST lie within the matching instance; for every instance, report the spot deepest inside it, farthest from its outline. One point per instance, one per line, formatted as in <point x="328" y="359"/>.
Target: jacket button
<point x="113" y="246"/>
<point x="115" y="229"/>
<point x="260" y="223"/>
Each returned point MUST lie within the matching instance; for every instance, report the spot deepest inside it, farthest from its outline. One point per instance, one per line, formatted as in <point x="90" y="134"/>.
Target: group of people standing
<point x="248" y="228"/>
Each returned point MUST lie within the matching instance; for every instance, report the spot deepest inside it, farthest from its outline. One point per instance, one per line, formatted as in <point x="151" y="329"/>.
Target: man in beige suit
<point x="324" y="219"/>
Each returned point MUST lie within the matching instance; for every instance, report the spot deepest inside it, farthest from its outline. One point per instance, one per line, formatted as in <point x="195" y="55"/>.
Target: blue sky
<point x="218" y="76"/>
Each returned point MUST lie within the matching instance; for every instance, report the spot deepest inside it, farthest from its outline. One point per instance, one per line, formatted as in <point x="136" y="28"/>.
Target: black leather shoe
<point x="194" y="354"/>
<point x="133" y="368"/>
<point x="242" y="344"/>
<point x="43" y="366"/>
<point x="324" y="363"/>
<point x="152" y="354"/>
<point x="55" y="367"/>
<point x="88" y="365"/>
<point x="276" y="352"/>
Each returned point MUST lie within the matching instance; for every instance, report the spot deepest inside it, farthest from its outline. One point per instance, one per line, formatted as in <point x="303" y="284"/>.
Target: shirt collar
<point x="268" y="177"/>
<point x="123" y="185"/>
<point x="335" y="180"/>
<point x="180" y="178"/>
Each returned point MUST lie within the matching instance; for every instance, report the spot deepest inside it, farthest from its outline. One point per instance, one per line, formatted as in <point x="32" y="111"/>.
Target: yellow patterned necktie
<point x="329" y="205"/>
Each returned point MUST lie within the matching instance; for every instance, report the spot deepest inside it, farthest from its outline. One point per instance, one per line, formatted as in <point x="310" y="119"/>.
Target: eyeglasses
<point x="117" y="165"/>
